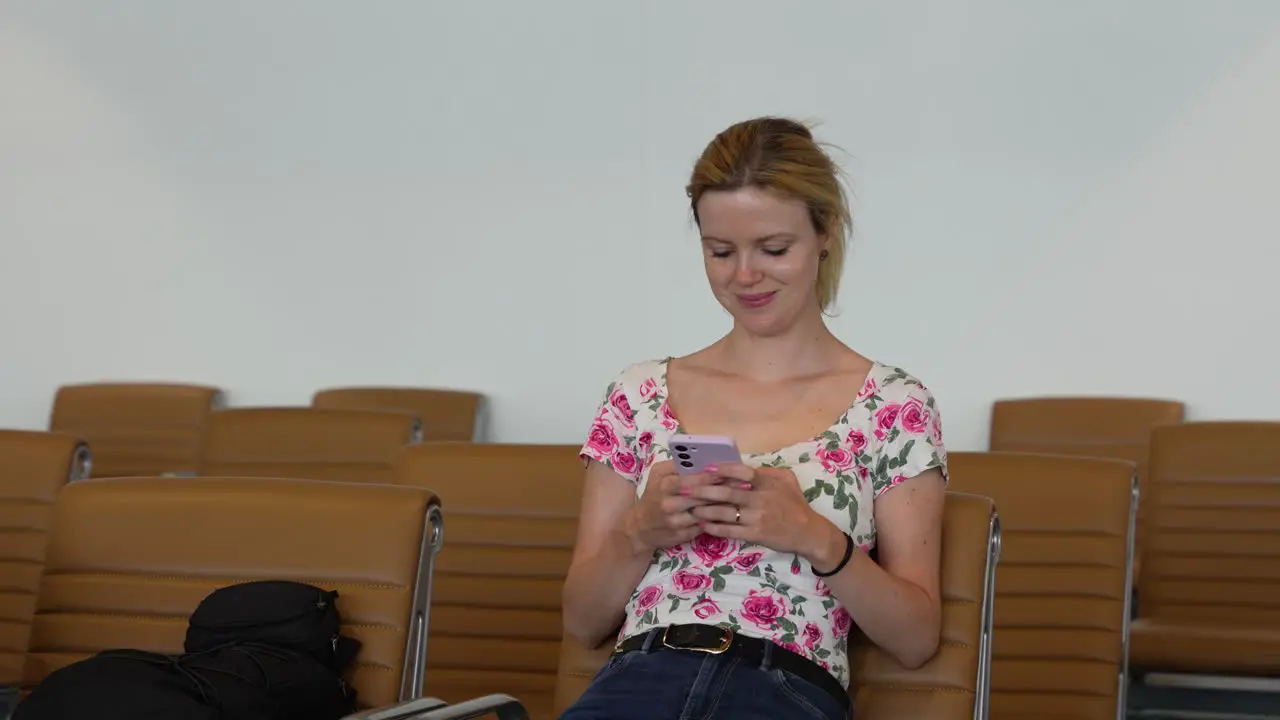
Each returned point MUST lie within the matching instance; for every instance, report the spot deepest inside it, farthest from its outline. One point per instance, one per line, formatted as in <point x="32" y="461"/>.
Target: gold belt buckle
<point x="725" y="641"/>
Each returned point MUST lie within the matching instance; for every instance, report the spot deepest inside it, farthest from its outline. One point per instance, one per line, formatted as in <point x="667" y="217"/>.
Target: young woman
<point x="732" y="593"/>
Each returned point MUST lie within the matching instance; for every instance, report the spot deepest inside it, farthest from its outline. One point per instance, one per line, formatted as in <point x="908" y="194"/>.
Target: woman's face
<point x="761" y="253"/>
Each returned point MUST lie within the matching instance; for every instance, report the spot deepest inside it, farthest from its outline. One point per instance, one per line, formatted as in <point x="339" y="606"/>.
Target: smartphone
<point x="692" y="454"/>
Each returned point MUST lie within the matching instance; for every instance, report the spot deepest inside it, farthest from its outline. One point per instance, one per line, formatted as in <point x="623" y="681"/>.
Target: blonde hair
<point x="780" y="154"/>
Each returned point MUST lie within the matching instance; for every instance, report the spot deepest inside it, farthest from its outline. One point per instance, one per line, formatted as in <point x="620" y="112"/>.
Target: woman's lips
<point x="757" y="300"/>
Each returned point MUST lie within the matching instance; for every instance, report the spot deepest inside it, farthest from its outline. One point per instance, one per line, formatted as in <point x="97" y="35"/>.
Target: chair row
<point x="313" y="443"/>
<point x="1061" y="618"/>
<point x="129" y="558"/>
<point x="156" y="429"/>
<point x="153" y="428"/>
<point x="1065" y="637"/>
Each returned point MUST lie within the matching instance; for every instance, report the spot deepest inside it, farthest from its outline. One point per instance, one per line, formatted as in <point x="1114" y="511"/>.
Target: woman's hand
<point x="662" y="516"/>
<point x="765" y="506"/>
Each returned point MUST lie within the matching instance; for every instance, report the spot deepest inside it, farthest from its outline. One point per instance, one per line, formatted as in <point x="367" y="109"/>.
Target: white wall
<point x="1052" y="197"/>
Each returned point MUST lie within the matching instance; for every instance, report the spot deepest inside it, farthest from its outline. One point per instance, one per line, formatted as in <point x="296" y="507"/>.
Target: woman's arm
<point x="897" y="601"/>
<point x="607" y="563"/>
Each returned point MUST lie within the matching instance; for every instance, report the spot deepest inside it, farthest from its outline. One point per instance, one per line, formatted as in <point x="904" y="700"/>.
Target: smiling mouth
<point x="757" y="299"/>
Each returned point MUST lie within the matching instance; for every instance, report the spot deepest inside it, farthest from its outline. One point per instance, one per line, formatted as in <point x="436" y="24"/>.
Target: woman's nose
<point x="746" y="272"/>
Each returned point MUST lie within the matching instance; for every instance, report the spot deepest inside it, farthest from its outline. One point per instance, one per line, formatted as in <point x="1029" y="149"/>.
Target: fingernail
<point x="712" y="469"/>
<point x="744" y="485"/>
<point x="684" y="491"/>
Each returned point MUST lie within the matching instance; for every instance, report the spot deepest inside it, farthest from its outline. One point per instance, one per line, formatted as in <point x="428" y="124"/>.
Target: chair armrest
<point x="398" y="711"/>
<point x="9" y="697"/>
<point x="504" y="706"/>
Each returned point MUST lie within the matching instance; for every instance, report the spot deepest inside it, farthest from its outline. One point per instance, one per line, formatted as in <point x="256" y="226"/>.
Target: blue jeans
<point x="664" y="684"/>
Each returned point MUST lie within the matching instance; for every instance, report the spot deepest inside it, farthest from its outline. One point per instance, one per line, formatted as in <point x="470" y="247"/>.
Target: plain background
<point x="1051" y="197"/>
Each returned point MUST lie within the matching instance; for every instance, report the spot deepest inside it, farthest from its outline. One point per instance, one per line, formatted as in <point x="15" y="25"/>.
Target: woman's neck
<point x="808" y="348"/>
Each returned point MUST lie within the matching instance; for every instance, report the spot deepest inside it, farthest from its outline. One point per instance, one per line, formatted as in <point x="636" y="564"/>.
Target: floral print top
<point x="891" y="432"/>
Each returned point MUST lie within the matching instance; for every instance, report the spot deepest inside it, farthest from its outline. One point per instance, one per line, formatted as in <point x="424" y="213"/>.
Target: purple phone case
<point x="693" y="453"/>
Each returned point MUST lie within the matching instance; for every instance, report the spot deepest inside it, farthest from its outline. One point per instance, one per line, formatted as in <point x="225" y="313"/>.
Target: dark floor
<point x="1171" y="703"/>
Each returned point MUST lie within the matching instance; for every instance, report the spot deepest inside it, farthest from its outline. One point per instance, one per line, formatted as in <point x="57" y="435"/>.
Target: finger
<point x="722" y="494"/>
<point x="729" y="531"/>
<point x="662" y="472"/>
<point x="675" y="504"/>
<point x="663" y="468"/>
<point x="735" y="471"/>
<point x="688" y="483"/>
<point x="722" y="514"/>
<point x="683" y="520"/>
<point x="768" y="475"/>
<point x="687" y="534"/>
<point x="672" y="484"/>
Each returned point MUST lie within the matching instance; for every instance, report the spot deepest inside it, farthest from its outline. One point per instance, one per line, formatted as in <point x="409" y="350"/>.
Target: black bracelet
<point x="848" y="555"/>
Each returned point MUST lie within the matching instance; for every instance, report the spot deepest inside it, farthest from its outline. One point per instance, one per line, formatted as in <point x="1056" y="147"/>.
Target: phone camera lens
<point x="686" y="463"/>
<point x="684" y="456"/>
<point x="682" y="449"/>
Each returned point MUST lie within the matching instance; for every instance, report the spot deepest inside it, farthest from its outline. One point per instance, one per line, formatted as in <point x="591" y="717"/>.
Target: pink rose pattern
<point x="689" y="581"/>
<point x="711" y="549"/>
<point x="765" y="608"/>
<point x="706" y="608"/>
<point x="622" y="408"/>
<point x="648" y="389"/>
<point x="625" y="462"/>
<point x="891" y="432"/>
<point x="647" y="598"/>
<point x="812" y="635"/>
<point x="746" y="562"/>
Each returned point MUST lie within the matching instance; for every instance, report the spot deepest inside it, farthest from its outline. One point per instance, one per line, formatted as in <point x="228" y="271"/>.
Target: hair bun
<point x="786" y="126"/>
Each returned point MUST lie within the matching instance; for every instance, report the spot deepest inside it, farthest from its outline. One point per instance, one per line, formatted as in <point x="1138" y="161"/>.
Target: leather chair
<point x="341" y="445"/>
<point x="1066" y="579"/>
<point x="445" y="414"/>
<point x="34" y="467"/>
<point x="1209" y="590"/>
<point x="130" y="558"/>
<point x="954" y="684"/>
<point x="137" y="428"/>
<point x="513" y="516"/>
<point x="1101" y="427"/>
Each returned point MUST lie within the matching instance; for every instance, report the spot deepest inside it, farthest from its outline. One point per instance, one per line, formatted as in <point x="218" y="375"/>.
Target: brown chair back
<point x="1209" y="588"/>
<point x="1100" y="427"/>
<point x="955" y="684"/>
<point x="1066" y="578"/>
<point x="577" y="666"/>
<point x="311" y="443"/>
<point x="130" y="558"/>
<point x="137" y="428"/>
<point x="34" y="466"/>
<point x="445" y="414"/>
<point x="513" y="517"/>
<point x="1103" y="427"/>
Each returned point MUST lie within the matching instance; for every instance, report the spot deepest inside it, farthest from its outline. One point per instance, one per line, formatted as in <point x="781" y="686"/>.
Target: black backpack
<point x="281" y="613"/>
<point x="267" y="650"/>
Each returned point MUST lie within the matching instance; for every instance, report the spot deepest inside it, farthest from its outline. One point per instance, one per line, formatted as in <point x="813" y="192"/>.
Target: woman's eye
<point x="721" y="253"/>
<point x="776" y="252"/>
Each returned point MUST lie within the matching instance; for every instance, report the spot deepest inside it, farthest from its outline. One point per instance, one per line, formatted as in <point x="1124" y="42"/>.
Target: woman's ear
<point x="824" y="245"/>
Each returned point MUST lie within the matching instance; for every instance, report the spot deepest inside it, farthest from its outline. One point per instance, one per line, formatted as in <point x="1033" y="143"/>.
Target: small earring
<point x="822" y="255"/>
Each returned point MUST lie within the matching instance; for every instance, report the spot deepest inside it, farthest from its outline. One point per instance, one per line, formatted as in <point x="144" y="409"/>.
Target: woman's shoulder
<point x="892" y="384"/>
<point x="907" y="427"/>
<point x="639" y="378"/>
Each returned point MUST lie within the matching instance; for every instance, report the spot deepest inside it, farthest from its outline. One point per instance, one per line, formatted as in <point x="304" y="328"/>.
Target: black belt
<point x="717" y="640"/>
